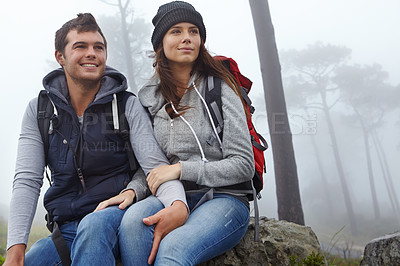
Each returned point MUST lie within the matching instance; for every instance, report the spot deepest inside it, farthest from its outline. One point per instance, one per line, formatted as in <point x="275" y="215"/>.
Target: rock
<point x="383" y="251"/>
<point x="279" y="240"/>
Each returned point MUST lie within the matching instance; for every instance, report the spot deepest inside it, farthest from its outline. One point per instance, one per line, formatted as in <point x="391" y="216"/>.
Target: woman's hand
<point x="162" y="174"/>
<point x="123" y="200"/>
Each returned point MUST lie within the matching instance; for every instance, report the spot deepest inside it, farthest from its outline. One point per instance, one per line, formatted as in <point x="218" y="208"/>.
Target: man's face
<point x="84" y="57"/>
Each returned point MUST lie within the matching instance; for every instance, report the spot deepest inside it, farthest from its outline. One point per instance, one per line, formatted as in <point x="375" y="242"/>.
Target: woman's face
<point x="181" y="44"/>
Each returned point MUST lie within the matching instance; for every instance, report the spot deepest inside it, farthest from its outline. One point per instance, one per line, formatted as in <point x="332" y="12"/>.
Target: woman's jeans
<point x="92" y="241"/>
<point x="213" y="228"/>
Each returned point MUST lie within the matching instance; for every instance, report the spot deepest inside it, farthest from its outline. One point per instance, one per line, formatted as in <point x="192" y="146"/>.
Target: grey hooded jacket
<point x="233" y="164"/>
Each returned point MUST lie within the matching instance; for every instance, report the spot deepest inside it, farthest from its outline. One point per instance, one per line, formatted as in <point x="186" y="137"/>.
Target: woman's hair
<point x="205" y="65"/>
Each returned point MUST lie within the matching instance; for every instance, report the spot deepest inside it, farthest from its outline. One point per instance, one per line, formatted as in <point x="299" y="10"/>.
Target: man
<point x="88" y="161"/>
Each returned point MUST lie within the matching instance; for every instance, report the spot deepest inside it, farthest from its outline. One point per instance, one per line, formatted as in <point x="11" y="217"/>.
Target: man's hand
<point x="15" y="255"/>
<point x="166" y="220"/>
<point x="162" y="174"/>
<point x="124" y="200"/>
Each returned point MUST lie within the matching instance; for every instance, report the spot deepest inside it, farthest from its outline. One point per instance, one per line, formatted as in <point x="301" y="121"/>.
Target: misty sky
<point x="369" y="27"/>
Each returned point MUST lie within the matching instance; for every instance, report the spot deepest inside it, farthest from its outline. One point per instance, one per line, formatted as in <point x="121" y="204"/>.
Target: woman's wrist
<point x="178" y="168"/>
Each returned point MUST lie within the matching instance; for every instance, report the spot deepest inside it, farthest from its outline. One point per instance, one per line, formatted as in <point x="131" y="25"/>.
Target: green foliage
<point x="326" y="258"/>
<point x="292" y="260"/>
<point x="3" y="239"/>
<point x="335" y="238"/>
<point x="336" y="260"/>
<point x="37" y="232"/>
<point x="314" y="259"/>
<point x="319" y="259"/>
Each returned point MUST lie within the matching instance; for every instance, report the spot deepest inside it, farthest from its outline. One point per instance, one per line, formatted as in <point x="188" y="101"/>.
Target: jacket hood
<point x="112" y="82"/>
<point x="150" y="95"/>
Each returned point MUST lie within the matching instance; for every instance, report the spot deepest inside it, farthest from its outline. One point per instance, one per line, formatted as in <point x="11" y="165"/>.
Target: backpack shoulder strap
<point x="246" y="98"/>
<point x="61" y="246"/>
<point x="214" y="102"/>
<point x="45" y="111"/>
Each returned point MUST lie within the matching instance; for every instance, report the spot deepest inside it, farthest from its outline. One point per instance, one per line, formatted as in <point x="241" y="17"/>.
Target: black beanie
<point x="173" y="13"/>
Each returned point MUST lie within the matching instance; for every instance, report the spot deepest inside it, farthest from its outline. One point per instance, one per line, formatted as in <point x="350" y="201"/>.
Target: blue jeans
<point x="213" y="228"/>
<point x="92" y="241"/>
<point x="43" y="252"/>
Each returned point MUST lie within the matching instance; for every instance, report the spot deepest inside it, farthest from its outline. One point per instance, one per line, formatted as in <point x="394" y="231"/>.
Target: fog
<point x="370" y="28"/>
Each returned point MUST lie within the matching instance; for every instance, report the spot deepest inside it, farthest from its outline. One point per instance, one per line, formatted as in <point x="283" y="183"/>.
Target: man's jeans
<point x="213" y="228"/>
<point x="93" y="241"/>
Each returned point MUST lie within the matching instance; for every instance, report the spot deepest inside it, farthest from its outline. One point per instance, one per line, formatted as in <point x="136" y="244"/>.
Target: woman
<point x="209" y="170"/>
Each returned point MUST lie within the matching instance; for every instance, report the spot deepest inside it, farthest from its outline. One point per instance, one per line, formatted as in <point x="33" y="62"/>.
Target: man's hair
<point x="83" y="23"/>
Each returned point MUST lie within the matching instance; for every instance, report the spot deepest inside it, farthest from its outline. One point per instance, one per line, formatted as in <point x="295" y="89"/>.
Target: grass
<point x="37" y="232"/>
<point x="347" y="259"/>
<point x="335" y="260"/>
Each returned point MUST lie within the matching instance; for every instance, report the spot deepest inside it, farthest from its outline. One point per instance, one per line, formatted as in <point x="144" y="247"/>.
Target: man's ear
<point x="59" y="57"/>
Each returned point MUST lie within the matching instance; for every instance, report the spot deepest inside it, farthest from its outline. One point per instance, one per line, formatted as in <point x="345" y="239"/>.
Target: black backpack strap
<point x="246" y="98"/>
<point x="256" y="215"/>
<point x="213" y="100"/>
<point x="61" y="246"/>
<point x="45" y="112"/>
<point x="262" y="147"/>
<point x="49" y="221"/>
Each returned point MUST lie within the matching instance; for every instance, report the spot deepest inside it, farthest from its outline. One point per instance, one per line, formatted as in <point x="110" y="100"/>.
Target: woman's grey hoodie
<point x="232" y="164"/>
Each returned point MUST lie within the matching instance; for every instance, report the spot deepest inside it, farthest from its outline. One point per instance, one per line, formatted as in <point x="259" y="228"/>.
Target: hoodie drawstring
<point x="191" y="128"/>
<point x="203" y="157"/>
<point x="209" y="115"/>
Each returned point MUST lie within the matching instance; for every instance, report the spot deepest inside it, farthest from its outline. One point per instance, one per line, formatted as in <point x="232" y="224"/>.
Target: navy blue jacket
<point x="91" y="146"/>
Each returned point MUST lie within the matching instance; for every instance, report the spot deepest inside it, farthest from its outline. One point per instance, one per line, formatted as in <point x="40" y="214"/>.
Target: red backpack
<point x="259" y="143"/>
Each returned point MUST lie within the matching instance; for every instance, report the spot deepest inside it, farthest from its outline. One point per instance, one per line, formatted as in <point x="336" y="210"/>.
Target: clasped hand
<point x="165" y="220"/>
<point x="162" y="174"/>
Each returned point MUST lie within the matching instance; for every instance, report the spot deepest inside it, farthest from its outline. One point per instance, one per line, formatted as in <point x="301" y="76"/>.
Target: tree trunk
<point x="386" y="175"/>
<point x="322" y="174"/>
<point x="371" y="175"/>
<point x="287" y="185"/>
<point x="339" y="167"/>
<point x="369" y="164"/>
<point x="127" y="47"/>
